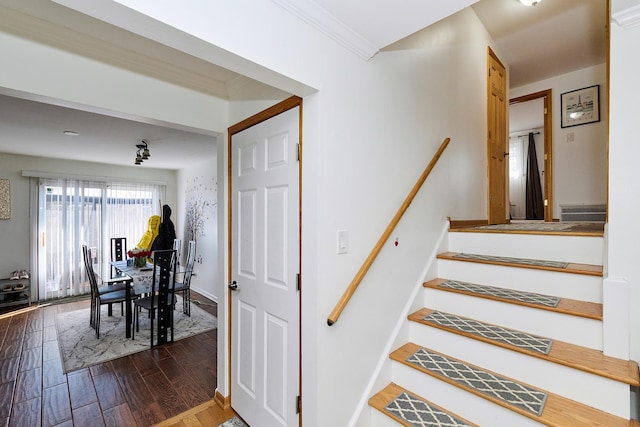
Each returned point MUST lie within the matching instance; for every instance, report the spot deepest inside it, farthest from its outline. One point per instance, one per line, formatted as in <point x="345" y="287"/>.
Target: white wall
<point x="579" y="166"/>
<point x="405" y="109"/>
<point x="197" y="189"/>
<point x="240" y="110"/>
<point x="624" y="185"/>
<point x="75" y="80"/>
<point x="17" y="230"/>
<point x="368" y="133"/>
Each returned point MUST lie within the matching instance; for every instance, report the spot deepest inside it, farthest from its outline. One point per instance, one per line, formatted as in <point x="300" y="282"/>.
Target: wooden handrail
<point x="348" y="293"/>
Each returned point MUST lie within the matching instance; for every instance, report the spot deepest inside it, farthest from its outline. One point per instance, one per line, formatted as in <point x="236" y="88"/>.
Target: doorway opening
<point x="530" y="120"/>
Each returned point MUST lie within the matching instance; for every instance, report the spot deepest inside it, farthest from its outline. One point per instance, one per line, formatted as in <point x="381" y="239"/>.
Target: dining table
<point x="139" y="282"/>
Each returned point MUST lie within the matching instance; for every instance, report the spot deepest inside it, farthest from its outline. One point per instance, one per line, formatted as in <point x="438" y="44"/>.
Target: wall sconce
<point x="142" y="153"/>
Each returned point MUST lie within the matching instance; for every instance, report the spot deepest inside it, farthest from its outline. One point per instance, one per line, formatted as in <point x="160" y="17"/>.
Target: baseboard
<point x="205" y="294"/>
<point x="392" y="341"/>
<point x="467" y="223"/>
<point x="222" y="401"/>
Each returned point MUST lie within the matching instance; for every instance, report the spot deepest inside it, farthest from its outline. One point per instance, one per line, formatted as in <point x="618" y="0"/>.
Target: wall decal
<point x="5" y="199"/>
<point x="201" y="202"/>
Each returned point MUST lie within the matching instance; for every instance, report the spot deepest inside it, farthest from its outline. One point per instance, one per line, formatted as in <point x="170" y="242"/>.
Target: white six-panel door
<point x="265" y="353"/>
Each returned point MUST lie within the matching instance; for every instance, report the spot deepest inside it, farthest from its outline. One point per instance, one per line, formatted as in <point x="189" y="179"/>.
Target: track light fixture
<point x="142" y="153"/>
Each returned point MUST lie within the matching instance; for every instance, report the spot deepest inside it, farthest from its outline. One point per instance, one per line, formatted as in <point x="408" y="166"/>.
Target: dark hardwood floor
<point x="142" y="389"/>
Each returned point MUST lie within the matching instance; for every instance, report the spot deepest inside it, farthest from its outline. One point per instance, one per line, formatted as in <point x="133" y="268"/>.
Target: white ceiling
<point x="554" y="37"/>
<point x="526" y="116"/>
<point x="102" y="138"/>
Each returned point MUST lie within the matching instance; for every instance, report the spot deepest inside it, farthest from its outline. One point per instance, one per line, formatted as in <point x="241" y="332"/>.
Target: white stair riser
<point x="458" y="401"/>
<point x="593" y="390"/>
<point x="572" y="329"/>
<point x="565" y="285"/>
<point x="577" y="249"/>
<point x="378" y="419"/>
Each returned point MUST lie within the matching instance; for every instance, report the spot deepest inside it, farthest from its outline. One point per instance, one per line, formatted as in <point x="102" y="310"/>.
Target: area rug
<point x="548" y="227"/>
<point x="532" y="226"/>
<point x="79" y="347"/>
<point x="233" y="422"/>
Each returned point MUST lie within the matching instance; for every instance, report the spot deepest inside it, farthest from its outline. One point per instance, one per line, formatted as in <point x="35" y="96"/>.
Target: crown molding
<point x="319" y="18"/>
<point x="628" y="18"/>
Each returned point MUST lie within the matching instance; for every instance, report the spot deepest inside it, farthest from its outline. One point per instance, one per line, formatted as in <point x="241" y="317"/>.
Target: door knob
<point x="233" y="286"/>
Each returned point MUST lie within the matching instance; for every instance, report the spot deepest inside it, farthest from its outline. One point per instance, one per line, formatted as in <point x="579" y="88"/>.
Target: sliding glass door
<point x="76" y="212"/>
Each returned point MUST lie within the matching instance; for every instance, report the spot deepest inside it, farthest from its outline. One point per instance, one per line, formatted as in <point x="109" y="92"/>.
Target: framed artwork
<point x="5" y="199"/>
<point x="580" y="107"/>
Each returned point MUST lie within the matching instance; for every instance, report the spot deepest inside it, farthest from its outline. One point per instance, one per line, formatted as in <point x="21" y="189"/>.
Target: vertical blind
<point x="77" y="212"/>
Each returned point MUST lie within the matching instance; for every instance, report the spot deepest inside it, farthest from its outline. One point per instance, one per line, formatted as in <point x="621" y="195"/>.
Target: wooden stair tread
<point x="575" y="268"/>
<point x="563" y="353"/>
<point x="558" y="411"/>
<point x="589" y="310"/>
<point x="385" y="396"/>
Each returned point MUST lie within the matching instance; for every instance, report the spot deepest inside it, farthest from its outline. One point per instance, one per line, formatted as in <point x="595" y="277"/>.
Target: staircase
<point x="510" y="334"/>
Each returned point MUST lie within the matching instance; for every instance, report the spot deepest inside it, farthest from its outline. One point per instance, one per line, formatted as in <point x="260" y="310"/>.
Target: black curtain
<point x="535" y="206"/>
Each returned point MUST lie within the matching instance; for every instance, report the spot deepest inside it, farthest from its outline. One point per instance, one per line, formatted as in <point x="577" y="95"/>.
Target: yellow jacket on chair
<point x="150" y="235"/>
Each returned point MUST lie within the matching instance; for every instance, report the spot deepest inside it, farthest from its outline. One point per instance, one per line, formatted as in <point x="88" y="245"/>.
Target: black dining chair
<point x="118" y="252"/>
<point x="177" y="245"/>
<point x="107" y="294"/>
<point x="161" y="299"/>
<point x="184" y="285"/>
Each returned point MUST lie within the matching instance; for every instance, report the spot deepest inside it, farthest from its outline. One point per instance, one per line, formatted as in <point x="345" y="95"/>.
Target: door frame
<point x="281" y="107"/>
<point x="546" y="96"/>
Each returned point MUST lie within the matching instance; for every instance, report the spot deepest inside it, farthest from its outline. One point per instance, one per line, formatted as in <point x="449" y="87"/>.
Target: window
<point x="76" y="212"/>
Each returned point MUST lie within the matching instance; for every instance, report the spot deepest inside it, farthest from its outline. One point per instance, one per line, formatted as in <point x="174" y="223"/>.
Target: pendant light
<point x="142" y="153"/>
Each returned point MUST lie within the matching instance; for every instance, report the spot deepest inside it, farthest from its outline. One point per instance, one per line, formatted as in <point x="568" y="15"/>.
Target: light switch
<point x="343" y="242"/>
<point x="570" y="137"/>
